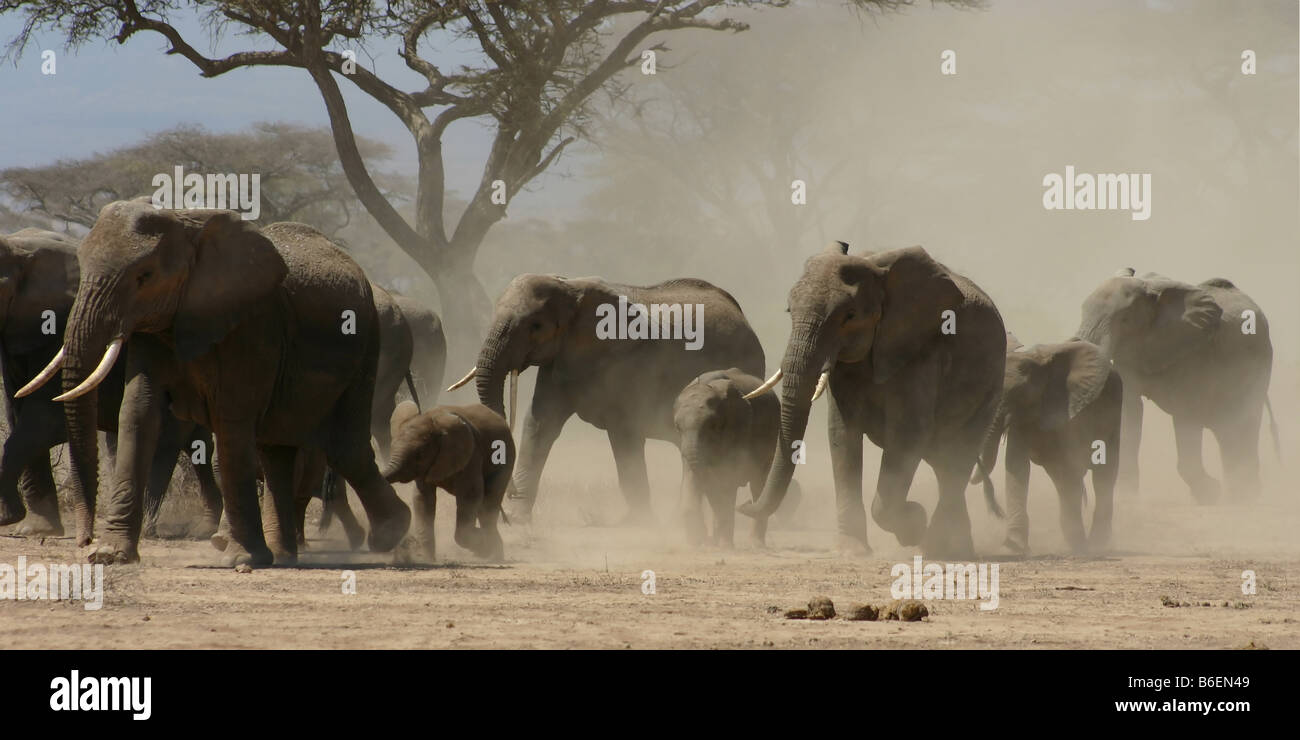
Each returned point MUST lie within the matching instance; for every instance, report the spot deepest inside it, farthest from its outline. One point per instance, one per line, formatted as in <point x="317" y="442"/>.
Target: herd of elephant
<point x="172" y="330"/>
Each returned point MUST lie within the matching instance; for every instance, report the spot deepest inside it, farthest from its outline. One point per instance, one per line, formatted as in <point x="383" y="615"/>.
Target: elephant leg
<point x="308" y="476"/>
<point x="722" y="502"/>
<point x="546" y="417"/>
<point x="241" y="517"/>
<point x="170" y="443"/>
<point x="1069" y="489"/>
<point x="469" y="501"/>
<point x="24" y="446"/>
<point x="846" y="466"/>
<point x="390" y="518"/>
<point x="1188" y="435"/>
<point x="279" y="521"/>
<point x="1130" y="441"/>
<point x="42" y="499"/>
<point x="209" y="491"/>
<point x="494" y="492"/>
<point x="948" y="535"/>
<point x="1017" y="463"/>
<point x="1239" y="449"/>
<point x="633" y="480"/>
<point x="1103" y="488"/>
<point x="890" y="508"/>
<point x="338" y="504"/>
<point x="426" y="509"/>
<point x="692" y="505"/>
<point x="139" y="423"/>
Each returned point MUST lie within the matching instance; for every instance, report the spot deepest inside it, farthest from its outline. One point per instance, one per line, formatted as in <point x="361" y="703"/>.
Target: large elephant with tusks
<point x="267" y="337"/>
<point x="912" y="356"/>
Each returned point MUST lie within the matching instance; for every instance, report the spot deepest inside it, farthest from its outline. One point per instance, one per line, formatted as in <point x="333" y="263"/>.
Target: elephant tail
<point x="990" y="497"/>
<point x="410" y="386"/>
<point x="1272" y="428"/>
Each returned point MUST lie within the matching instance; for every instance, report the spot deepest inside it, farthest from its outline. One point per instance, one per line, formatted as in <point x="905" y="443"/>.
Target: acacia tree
<point x="539" y="64"/>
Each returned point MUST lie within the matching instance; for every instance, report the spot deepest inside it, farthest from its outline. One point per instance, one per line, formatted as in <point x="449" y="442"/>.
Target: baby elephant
<point x="726" y="442"/>
<point x="1060" y="409"/>
<point x="466" y="450"/>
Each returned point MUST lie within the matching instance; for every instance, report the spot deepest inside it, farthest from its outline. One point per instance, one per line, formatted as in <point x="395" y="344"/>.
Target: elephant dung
<point x="821" y="607"/>
<point x="862" y="613"/>
<point x="909" y="610"/>
<point x="797" y="614"/>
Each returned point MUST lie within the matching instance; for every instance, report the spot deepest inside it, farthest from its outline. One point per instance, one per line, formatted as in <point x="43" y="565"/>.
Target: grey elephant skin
<point x="875" y="325"/>
<point x="412" y="351"/>
<point x="1202" y="354"/>
<point x="39" y="274"/>
<point x="726" y="443"/>
<point x="623" y="386"/>
<point x="465" y="450"/>
<point x="1060" y="409"/>
<point x="242" y="331"/>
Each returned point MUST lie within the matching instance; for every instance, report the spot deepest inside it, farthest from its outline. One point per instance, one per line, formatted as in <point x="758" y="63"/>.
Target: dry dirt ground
<point x="572" y="581"/>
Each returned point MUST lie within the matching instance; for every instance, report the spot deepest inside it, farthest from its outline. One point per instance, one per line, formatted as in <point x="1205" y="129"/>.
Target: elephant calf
<point x="726" y="442"/>
<point x="466" y="450"/>
<point x="1061" y="407"/>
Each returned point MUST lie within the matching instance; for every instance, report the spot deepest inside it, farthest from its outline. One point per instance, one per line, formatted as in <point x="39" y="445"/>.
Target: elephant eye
<point x="537" y="326"/>
<point x="850" y="316"/>
<point x="144" y="277"/>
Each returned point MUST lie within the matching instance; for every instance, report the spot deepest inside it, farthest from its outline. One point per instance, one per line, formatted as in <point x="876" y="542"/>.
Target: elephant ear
<point x="43" y="276"/>
<point x="1076" y="374"/>
<point x="235" y="268"/>
<point x="455" y="445"/>
<point x="1186" y="318"/>
<point x="917" y="290"/>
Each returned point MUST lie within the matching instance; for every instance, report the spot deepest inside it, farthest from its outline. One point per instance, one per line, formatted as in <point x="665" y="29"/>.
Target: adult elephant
<point x="269" y="338"/>
<point x="913" y="355"/>
<point x="428" y="349"/>
<point x="1202" y="354"/>
<point x="38" y="283"/>
<point x="1060" y="408"/>
<point x="625" y="386"/>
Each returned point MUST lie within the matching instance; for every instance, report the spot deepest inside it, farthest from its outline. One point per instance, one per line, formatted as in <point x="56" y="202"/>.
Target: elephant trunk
<point x="494" y="363"/>
<point x="988" y="457"/>
<point x="801" y="367"/>
<point x="92" y="325"/>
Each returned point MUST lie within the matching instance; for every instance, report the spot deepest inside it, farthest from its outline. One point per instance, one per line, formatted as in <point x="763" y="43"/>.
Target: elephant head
<point x="1148" y="324"/>
<point x="38" y="273"/>
<point x="713" y="419"/>
<point x="430" y="446"/>
<point x="882" y="309"/>
<point x="532" y="322"/>
<point x="1045" y="386"/>
<point x="193" y="275"/>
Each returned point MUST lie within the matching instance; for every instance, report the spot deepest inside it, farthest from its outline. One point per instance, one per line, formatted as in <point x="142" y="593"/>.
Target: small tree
<point x="299" y="173"/>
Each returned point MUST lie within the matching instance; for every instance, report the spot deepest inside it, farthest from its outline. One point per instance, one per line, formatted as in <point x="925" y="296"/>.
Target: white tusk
<point x="468" y="377"/>
<point x="514" y="397"/>
<point x="768" y="385"/>
<point x="101" y="371"/>
<point x="49" y="372"/>
<point x="821" y="385"/>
